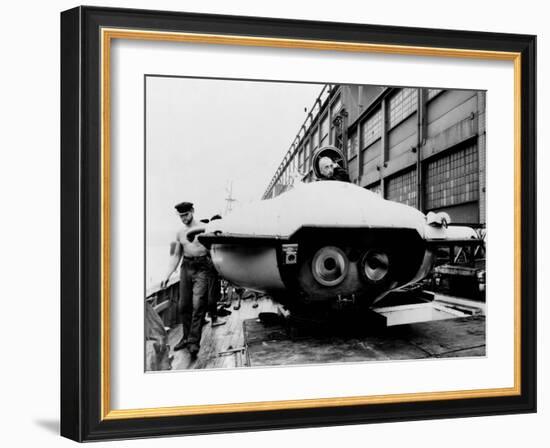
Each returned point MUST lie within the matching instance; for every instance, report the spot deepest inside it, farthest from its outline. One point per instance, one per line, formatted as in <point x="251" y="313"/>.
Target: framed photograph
<point x="277" y="224"/>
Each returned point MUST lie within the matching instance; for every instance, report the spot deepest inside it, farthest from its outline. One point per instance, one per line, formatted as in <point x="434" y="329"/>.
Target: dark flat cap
<point x="183" y="207"/>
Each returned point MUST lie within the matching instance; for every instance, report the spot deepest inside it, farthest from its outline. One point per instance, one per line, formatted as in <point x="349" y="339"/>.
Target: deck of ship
<point x="219" y="344"/>
<point x="246" y="341"/>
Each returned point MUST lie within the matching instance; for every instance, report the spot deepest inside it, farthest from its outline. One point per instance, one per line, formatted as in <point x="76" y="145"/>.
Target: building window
<point x="324" y="130"/>
<point x="336" y="106"/>
<point x="314" y="139"/>
<point x="372" y="128"/>
<point x="453" y="179"/>
<point x="402" y="104"/>
<point x="402" y="188"/>
<point x="376" y="188"/>
<point x="353" y="144"/>
<point x="433" y="93"/>
<point x="307" y="151"/>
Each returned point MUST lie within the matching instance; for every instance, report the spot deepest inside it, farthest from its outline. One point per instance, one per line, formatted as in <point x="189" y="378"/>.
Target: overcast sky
<point x="202" y="134"/>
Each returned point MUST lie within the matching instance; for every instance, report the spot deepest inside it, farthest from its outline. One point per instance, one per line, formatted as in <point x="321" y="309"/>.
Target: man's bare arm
<point x="175" y="257"/>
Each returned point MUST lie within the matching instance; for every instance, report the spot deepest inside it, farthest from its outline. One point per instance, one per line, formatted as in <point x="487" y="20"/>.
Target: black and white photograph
<point x="291" y="223"/>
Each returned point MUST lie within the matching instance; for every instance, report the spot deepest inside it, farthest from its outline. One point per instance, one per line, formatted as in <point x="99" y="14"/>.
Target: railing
<point x="165" y="302"/>
<point x="311" y="115"/>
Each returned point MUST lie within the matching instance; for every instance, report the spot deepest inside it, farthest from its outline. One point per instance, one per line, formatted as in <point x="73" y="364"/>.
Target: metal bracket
<point x="345" y="301"/>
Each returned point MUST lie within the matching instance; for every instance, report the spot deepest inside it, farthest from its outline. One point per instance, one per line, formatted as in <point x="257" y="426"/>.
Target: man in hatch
<point x="195" y="276"/>
<point x="330" y="170"/>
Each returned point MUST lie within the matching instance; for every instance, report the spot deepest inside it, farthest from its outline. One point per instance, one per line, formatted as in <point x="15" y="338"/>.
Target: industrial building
<point x="419" y="146"/>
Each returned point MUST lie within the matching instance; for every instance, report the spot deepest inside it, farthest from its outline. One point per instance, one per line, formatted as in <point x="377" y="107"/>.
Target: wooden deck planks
<point x="216" y="340"/>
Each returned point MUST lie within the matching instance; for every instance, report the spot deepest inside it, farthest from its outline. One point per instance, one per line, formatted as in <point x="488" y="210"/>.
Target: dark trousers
<point x="194" y="279"/>
<point x="214" y="294"/>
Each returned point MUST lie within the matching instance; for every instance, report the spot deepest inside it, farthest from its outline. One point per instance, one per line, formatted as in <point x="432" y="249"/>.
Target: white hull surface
<point x="328" y="241"/>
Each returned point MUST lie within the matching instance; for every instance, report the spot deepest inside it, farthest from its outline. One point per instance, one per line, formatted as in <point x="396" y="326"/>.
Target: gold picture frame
<point x="90" y="394"/>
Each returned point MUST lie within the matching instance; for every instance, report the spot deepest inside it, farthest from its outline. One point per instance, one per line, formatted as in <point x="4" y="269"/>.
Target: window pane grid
<point x="353" y="144"/>
<point x="324" y="129"/>
<point x="453" y="179"/>
<point x="403" y="188"/>
<point x="402" y="104"/>
<point x="372" y="128"/>
<point x="315" y="138"/>
<point x="336" y="106"/>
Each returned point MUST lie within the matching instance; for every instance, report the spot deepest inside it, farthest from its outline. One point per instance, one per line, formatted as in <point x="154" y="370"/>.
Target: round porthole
<point x="375" y="265"/>
<point x="330" y="266"/>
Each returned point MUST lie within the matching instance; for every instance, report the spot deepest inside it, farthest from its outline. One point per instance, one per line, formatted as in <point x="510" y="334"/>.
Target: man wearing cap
<point x="195" y="272"/>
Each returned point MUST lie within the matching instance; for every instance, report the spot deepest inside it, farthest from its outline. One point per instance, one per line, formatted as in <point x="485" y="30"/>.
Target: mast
<point x="229" y="198"/>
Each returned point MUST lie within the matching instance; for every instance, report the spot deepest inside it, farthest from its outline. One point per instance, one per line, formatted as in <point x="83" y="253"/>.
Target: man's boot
<point x="216" y="322"/>
<point x="181" y="344"/>
<point x="193" y="350"/>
